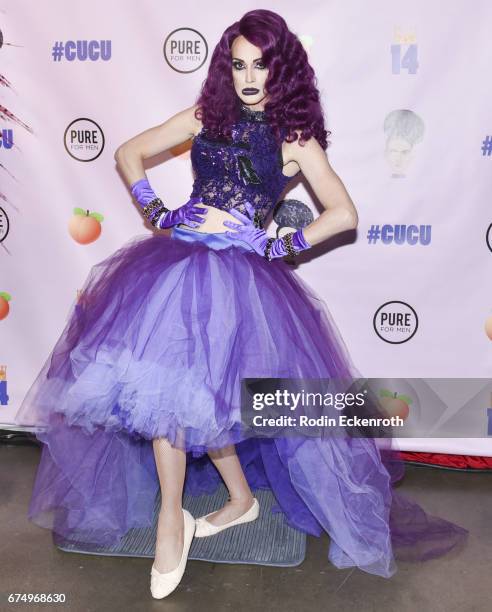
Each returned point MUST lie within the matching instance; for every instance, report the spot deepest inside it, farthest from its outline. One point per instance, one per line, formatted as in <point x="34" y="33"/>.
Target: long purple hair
<point x="293" y="97"/>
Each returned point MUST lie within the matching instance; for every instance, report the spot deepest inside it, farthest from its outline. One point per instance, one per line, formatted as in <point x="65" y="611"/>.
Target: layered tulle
<point x="157" y="345"/>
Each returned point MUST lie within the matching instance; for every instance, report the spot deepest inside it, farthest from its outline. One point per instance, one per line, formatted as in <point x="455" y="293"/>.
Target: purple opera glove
<point x="247" y="231"/>
<point x="188" y="214"/>
<point x="160" y="216"/>
<point x="290" y="244"/>
<point x="143" y="192"/>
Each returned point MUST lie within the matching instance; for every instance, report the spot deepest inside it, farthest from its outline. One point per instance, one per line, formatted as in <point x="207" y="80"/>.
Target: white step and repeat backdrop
<point x="407" y="96"/>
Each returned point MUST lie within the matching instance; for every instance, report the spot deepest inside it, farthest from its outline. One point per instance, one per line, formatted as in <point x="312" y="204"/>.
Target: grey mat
<point x="266" y="541"/>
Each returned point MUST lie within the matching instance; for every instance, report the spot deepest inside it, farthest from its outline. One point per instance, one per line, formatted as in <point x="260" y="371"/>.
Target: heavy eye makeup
<point x="238" y="65"/>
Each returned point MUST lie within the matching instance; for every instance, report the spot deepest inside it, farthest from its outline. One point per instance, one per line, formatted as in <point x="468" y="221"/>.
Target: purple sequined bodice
<point x="248" y="168"/>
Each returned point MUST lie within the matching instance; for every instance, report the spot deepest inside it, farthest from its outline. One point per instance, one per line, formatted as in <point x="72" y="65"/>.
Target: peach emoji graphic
<point x="85" y="227"/>
<point x="488" y="327"/>
<point x="394" y="404"/>
<point x="4" y="304"/>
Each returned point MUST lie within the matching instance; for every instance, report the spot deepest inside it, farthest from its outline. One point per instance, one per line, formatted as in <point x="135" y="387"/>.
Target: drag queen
<point x="142" y="390"/>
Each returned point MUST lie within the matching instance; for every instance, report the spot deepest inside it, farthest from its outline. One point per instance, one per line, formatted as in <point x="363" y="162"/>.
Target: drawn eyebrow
<point x="240" y="60"/>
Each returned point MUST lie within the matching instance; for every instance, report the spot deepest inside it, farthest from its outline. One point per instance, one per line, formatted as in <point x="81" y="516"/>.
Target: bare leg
<point x="241" y="498"/>
<point x="171" y="466"/>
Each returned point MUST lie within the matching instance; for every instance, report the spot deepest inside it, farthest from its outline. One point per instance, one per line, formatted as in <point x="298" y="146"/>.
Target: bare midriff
<point x="213" y="223"/>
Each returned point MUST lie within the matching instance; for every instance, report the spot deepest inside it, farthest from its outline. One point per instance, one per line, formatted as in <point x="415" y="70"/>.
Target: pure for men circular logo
<point x="488" y="237"/>
<point x="4" y="224"/>
<point x="395" y="322"/>
<point x="185" y="50"/>
<point x="84" y="139"/>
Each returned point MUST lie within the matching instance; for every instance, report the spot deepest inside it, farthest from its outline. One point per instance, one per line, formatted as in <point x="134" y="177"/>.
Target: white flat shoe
<point x="163" y="584"/>
<point x="204" y="528"/>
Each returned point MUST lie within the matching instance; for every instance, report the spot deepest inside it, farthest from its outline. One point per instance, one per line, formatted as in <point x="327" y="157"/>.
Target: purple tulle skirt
<point x="164" y="331"/>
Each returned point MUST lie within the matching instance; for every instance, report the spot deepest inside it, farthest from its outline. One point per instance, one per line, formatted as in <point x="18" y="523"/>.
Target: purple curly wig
<point x="293" y="97"/>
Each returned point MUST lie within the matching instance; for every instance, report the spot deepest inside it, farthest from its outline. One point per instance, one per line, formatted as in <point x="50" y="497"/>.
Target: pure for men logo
<point x="84" y="139"/>
<point x="395" y="322"/>
<point x="185" y="50"/>
<point x="488" y="237"/>
<point x="4" y="224"/>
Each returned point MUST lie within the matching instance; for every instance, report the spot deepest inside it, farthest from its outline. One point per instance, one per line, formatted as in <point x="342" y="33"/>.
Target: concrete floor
<point x="462" y="580"/>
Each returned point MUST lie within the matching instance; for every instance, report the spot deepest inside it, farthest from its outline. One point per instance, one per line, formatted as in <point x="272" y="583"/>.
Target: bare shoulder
<point x="175" y="130"/>
<point x="306" y="149"/>
<point x="187" y="119"/>
<point x="295" y="155"/>
<point x="308" y="155"/>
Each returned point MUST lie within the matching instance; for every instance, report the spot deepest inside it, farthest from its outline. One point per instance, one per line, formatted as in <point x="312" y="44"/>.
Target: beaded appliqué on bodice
<point x="248" y="168"/>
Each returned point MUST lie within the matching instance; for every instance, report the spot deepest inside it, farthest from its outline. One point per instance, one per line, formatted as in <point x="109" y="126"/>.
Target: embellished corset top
<point x="246" y="168"/>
